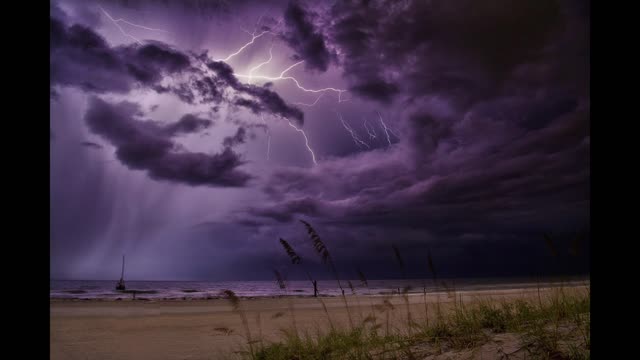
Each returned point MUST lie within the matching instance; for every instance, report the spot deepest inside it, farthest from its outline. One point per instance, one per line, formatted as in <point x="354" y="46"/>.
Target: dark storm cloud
<point x="188" y="123"/>
<point x="144" y="145"/>
<point x="463" y="49"/>
<point x="238" y="138"/>
<point x="268" y="99"/>
<point x="501" y="202"/>
<point x="304" y="38"/>
<point x="495" y="142"/>
<point x="492" y="183"/>
<point x="376" y="89"/>
<point x="225" y="73"/>
<point x="90" y="144"/>
<point x="528" y="113"/>
<point x="198" y="7"/>
<point x="285" y="212"/>
<point x="252" y="105"/>
<point x="80" y="57"/>
<point x="147" y="63"/>
<point x="208" y="89"/>
<point x="490" y="103"/>
<point x="271" y="101"/>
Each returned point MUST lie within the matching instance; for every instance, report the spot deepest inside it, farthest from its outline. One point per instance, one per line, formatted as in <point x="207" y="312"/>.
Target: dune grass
<point x="556" y="328"/>
<point x="553" y="326"/>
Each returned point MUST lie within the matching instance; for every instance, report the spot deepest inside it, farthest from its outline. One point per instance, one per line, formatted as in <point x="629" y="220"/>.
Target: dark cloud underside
<point x="143" y="145"/>
<point x="508" y="158"/>
<point x="303" y="37"/>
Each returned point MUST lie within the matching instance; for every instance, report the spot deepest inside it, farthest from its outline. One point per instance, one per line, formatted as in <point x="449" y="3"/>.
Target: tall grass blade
<point x="235" y="304"/>
<point x="322" y="250"/>
<point x="295" y="259"/>
<point x="318" y="245"/>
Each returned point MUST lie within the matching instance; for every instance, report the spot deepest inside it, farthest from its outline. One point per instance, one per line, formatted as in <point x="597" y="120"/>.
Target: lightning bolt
<point x="261" y="64"/>
<point x="254" y="37"/>
<point x="250" y="76"/>
<point x="371" y="132"/>
<point x="121" y="20"/>
<point x="354" y="136"/>
<point x="304" y="135"/>
<point x="282" y="77"/>
<point x="386" y="129"/>
<point x="310" y="105"/>
<point x="306" y="142"/>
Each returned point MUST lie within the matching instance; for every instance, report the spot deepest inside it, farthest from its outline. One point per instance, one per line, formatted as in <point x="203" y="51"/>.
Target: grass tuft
<point x="557" y="327"/>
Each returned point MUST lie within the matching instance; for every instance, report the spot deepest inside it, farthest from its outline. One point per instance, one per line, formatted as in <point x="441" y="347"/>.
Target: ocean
<point x="177" y="290"/>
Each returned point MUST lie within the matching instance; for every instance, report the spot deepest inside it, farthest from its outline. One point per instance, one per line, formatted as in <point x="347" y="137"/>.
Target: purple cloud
<point x="486" y="147"/>
<point x="238" y="138"/>
<point x="90" y="144"/>
<point x="144" y="145"/>
<point x="188" y="123"/>
<point x="303" y="37"/>
<point x="489" y="107"/>
<point x="267" y="98"/>
<point x="80" y="57"/>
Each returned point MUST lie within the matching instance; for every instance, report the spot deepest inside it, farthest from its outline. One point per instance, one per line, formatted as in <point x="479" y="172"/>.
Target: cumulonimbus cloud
<point x="304" y="38"/>
<point x="79" y="57"/>
<point x="145" y="145"/>
<point x="496" y="133"/>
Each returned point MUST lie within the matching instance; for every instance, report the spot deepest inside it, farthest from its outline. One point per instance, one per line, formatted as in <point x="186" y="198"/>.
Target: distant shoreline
<point x="140" y="297"/>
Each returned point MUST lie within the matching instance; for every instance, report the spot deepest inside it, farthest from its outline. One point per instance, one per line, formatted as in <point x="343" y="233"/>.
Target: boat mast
<point x="122" y="275"/>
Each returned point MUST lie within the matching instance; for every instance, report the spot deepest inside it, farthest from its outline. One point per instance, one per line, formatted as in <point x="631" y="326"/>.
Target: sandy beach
<point x="209" y="329"/>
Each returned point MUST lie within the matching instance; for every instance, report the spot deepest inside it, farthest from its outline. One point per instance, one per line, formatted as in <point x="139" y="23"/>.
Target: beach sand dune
<point x="209" y="329"/>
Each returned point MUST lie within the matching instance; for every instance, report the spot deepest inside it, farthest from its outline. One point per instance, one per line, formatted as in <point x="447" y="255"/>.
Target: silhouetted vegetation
<point x="553" y="325"/>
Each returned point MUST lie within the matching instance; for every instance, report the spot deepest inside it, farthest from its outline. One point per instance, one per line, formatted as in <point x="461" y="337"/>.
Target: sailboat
<point x="120" y="286"/>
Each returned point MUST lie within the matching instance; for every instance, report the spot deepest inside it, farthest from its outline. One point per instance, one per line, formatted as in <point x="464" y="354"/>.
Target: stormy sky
<point x="192" y="135"/>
